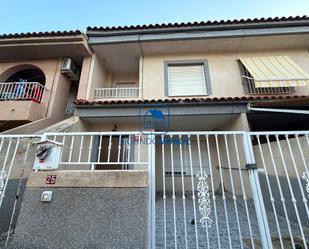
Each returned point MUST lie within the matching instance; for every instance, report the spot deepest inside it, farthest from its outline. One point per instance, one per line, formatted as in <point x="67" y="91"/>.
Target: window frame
<point x="187" y="63"/>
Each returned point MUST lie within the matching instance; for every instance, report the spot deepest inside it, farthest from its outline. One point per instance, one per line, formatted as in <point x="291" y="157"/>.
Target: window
<point x="250" y="88"/>
<point x="187" y="79"/>
<point x="72" y="96"/>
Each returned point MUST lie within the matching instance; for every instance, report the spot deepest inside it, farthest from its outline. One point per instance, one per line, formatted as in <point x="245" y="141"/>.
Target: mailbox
<point x="48" y="155"/>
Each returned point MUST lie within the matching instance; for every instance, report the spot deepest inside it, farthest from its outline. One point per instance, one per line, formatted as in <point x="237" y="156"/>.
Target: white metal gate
<point x="232" y="190"/>
<point x="207" y="189"/>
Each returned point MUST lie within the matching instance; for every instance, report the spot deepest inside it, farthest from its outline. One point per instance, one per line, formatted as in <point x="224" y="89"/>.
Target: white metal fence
<point x="102" y="150"/>
<point x="232" y="190"/>
<point x="126" y="92"/>
<point x="207" y="189"/>
<point x="21" y="91"/>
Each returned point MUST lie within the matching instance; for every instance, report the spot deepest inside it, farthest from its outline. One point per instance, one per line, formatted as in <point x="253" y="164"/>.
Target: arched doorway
<point x="22" y="82"/>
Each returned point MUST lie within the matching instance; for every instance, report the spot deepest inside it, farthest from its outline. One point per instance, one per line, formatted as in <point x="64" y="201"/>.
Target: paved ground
<point x="212" y="231"/>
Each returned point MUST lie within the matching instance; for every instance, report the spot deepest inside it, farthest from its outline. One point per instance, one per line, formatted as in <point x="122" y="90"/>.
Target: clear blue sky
<point x="47" y="15"/>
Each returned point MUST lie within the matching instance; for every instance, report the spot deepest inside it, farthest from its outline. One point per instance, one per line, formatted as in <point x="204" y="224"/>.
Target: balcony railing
<point x="21" y="91"/>
<point x="128" y="92"/>
<point x="267" y="90"/>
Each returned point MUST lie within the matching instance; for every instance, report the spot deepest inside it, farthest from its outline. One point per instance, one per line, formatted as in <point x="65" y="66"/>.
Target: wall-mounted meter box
<point x="48" y="155"/>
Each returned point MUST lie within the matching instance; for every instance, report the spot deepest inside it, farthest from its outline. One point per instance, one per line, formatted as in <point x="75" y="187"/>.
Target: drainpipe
<point x="277" y="110"/>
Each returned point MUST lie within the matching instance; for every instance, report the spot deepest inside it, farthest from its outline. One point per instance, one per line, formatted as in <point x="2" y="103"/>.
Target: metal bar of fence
<point x="152" y="195"/>
<point x="174" y="196"/>
<point x="245" y="199"/>
<point x="213" y="190"/>
<point x="233" y="189"/>
<point x="164" y="195"/>
<point x="10" y="167"/>
<point x="256" y="194"/>
<point x="223" y="192"/>
<point x="105" y="163"/>
<point x="280" y="189"/>
<point x="291" y="190"/>
<point x="272" y="199"/>
<point x="183" y="194"/>
<point x="193" y="195"/>
<point x="201" y="170"/>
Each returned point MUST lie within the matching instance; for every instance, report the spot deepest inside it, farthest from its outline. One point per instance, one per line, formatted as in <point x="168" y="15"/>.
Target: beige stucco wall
<point x="125" y="78"/>
<point x="21" y="110"/>
<point x="225" y="77"/>
<point x="97" y="76"/>
<point x="84" y="77"/>
<point x="224" y="72"/>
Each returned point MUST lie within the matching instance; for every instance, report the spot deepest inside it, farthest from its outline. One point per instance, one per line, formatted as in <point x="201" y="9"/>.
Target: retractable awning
<point x="275" y="71"/>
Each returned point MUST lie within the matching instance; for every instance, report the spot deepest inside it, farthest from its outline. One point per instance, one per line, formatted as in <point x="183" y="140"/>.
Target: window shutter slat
<point x="186" y="80"/>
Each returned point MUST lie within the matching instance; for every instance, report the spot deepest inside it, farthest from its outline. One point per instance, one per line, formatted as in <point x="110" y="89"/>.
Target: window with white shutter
<point x="186" y="79"/>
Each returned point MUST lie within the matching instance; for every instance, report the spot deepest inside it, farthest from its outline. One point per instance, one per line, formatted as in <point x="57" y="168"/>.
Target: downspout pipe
<point x="277" y="110"/>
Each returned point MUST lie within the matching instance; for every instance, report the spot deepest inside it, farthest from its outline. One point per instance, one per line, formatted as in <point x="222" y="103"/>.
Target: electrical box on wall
<point x="48" y="155"/>
<point x="46" y="196"/>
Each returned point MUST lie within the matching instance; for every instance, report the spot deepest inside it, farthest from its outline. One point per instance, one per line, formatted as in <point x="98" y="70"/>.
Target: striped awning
<point x="275" y="71"/>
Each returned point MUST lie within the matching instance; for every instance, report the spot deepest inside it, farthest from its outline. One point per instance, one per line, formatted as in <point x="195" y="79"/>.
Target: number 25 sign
<point x="51" y="179"/>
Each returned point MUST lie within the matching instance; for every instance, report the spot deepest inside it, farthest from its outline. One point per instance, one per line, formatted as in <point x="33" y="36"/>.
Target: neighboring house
<point x="36" y="90"/>
<point x="190" y="135"/>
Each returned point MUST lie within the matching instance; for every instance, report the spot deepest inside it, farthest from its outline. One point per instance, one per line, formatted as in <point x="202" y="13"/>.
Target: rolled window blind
<point x="186" y="80"/>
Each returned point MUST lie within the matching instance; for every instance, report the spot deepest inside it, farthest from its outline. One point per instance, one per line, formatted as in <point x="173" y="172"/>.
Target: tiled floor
<point x="236" y="238"/>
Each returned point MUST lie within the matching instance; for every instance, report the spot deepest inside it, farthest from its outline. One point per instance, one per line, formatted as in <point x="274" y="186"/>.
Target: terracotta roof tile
<point x="197" y="24"/>
<point x="40" y="34"/>
<point x="82" y="102"/>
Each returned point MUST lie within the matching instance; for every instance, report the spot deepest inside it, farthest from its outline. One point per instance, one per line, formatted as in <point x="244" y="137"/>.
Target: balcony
<point x="21" y="101"/>
<point x="116" y="93"/>
<point x="21" y="91"/>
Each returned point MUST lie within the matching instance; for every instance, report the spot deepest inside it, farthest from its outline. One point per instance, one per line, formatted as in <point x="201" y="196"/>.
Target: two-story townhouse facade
<point x="215" y="77"/>
<point x="190" y="135"/>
